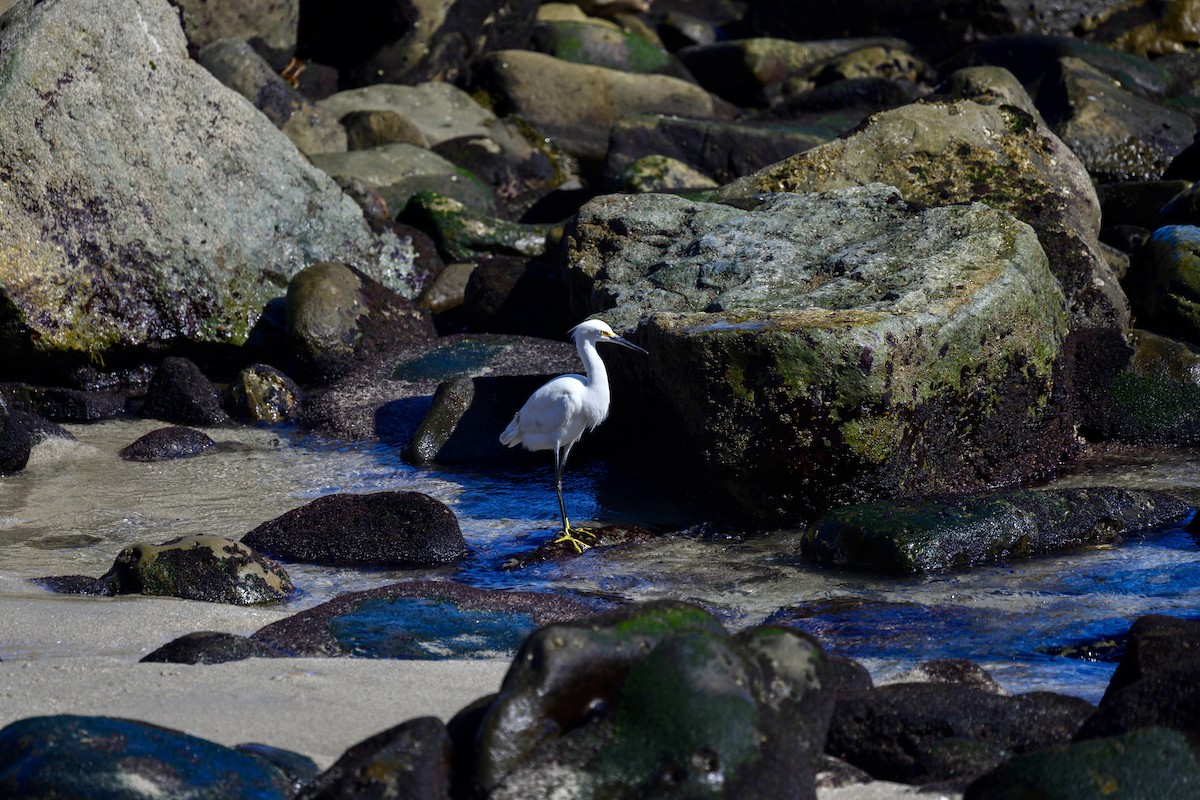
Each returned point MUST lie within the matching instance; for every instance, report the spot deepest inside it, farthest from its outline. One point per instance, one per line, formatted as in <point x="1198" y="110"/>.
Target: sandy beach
<point x="315" y="706"/>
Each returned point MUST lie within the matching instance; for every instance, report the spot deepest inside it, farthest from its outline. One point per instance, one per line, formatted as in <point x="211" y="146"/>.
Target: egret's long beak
<point x="621" y="340"/>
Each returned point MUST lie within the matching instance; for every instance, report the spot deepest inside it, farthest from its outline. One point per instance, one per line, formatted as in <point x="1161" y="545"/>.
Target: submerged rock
<point x="958" y="533"/>
<point x="382" y="529"/>
<point x="419" y="619"/>
<point x="819" y="347"/>
<point x="168" y="443"/>
<point x="79" y="756"/>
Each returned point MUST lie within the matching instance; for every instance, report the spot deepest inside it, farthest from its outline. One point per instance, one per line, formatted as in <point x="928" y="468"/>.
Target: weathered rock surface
<point x="183" y="231"/>
<point x="261" y="393"/>
<point x="819" y="346"/>
<point x="382" y="529"/>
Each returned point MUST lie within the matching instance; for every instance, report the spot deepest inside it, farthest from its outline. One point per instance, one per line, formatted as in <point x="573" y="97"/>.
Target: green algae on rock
<point x="827" y="348"/>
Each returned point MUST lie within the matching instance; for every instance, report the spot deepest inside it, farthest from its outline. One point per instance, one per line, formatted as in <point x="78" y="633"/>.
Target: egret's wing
<point x="553" y="406"/>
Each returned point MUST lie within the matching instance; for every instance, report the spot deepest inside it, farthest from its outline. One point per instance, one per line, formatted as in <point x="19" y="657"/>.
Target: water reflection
<point x="78" y="504"/>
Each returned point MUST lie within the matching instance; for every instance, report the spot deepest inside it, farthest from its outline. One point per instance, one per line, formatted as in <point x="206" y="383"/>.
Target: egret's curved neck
<point x="592" y="365"/>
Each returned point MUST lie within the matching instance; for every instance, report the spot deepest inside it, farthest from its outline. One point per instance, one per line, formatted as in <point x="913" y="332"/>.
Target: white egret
<point x="556" y="415"/>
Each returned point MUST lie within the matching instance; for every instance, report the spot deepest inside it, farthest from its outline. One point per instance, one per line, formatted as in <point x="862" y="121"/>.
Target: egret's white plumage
<point x="556" y="415"/>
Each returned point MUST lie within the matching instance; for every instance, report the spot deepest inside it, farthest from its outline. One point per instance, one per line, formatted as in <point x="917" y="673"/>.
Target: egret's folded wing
<point x="552" y="407"/>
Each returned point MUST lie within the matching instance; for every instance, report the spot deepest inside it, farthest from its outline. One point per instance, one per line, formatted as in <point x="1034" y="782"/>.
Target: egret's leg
<point x="560" y="463"/>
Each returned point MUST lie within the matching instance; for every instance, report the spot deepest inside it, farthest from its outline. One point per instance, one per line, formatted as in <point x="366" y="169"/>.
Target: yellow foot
<point x="579" y="545"/>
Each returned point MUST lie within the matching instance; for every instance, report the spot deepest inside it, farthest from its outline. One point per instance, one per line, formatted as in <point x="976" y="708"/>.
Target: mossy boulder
<point x="945" y="151"/>
<point x="822" y="349"/>
<point x="655" y="700"/>
<point x="1164" y="283"/>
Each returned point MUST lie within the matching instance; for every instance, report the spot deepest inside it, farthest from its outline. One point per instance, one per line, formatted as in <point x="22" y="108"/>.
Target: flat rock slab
<point x="420" y="620"/>
<point x="958" y="533"/>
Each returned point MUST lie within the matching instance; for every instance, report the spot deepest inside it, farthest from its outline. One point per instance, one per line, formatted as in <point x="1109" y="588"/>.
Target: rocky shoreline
<point x="893" y="266"/>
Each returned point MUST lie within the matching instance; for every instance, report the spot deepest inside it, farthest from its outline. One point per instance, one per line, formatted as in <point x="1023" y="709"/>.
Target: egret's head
<point x="596" y="330"/>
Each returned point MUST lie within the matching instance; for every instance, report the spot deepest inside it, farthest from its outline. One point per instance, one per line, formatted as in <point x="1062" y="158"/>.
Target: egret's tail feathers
<point x="512" y="434"/>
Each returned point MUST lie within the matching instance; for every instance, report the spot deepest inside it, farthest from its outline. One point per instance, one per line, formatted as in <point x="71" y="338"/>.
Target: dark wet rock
<point x="1163" y="280"/>
<point x="465" y="419"/>
<point x="1182" y="209"/>
<point x="419" y="619"/>
<point x="890" y="61"/>
<point x="840" y="105"/>
<point x="399" y="171"/>
<point x="336" y="317"/>
<point x="1030" y="56"/>
<point x="420" y="42"/>
<point x="1116" y="134"/>
<point x="61" y="404"/>
<point x="1139" y="203"/>
<point x="924" y="732"/>
<point x="206" y="194"/>
<point x="576" y="104"/>
<point x="236" y="64"/>
<point x="206" y="568"/>
<point x="78" y="756"/>
<point x="599" y="536"/>
<point x="382" y="529"/>
<point x="721" y="150"/>
<point x="168" y="443"/>
<point x="938" y="29"/>
<point x="516" y="295"/>
<point x="389" y="396"/>
<point x="15" y="440"/>
<point x="210" y="647"/>
<point x="1156" y="682"/>
<point x="1150" y="763"/>
<point x="408" y="762"/>
<point x="652" y="699"/>
<point x="445" y="292"/>
<point x="461" y="232"/>
<point x="181" y="393"/>
<point x="298" y="768"/>
<point x="808" y="352"/>
<point x="963" y="532"/>
<point x="945" y="151"/>
<point x="1149" y="398"/>
<point x="740" y="70"/>
<point x="261" y="393"/>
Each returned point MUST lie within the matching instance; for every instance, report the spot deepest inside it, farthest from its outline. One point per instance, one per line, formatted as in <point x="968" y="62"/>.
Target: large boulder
<point x="946" y="151"/>
<point x="828" y="347"/>
<point x="182" y="232"/>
